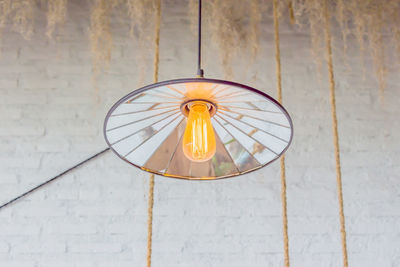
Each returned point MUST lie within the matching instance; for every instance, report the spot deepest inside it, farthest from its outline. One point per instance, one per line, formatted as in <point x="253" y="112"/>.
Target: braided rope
<point x="291" y="12"/>
<point x="150" y="220"/>
<point x="151" y="182"/>
<point x="282" y="160"/>
<point x="335" y="132"/>
<point x="157" y="41"/>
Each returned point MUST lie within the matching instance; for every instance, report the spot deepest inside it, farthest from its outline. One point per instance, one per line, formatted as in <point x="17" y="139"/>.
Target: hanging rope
<point x="151" y="182"/>
<point x="335" y="131"/>
<point x="157" y="41"/>
<point x="291" y="12"/>
<point x="282" y="160"/>
<point x="150" y="220"/>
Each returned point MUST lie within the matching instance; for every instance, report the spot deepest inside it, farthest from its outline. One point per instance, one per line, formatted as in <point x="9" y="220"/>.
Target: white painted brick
<point x="63" y="192"/>
<point x="79" y="99"/>
<point x="7" y="147"/>
<point x="8" y="178"/>
<point x="94" y="248"/>
<point x="38" y="248"/>
<point x="27" y="98"/>
<point x="101" y="209"/>
<point x="71" y="128"/>
<point x="18" y="263"/>
<point x="115" y="264"/>
<point x="17" y="129"/>
<point x="72" y="228"/>
<point x="51" y="117"/>
<point x="42" y="208"/>
<point x="58" y="69"/>
<point x="19" y="230"/>
<point x="29" y="161"/>
<point x="52" y="145"/>
<point x="59" y="263"/>
<point x="12" y="69"/>
<point x="128" y="227"/>
<point x="10" y="113"/>
<point x="91" y="193"/>
<point x="5" y="213"/>
<point x="53" y="112"/>
<point x="4" y="247"/>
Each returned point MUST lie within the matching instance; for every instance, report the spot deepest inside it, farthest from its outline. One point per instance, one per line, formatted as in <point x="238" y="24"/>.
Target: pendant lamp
<point x="198" y="128"/>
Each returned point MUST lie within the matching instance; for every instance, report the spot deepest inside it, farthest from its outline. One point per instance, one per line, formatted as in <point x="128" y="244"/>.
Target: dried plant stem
<point x="100" y="34"/>
<point x="139" y="12"/>
<point x="5" y="10"/>
<point x="367" y="20"/>
<point x="377" y="48"/>
<point x="255" y="21"/>
<point x="233" y="33"/>
<point x="23" y="17"/>
<point x="342" y="18"/>
<point x="56" y="13"/>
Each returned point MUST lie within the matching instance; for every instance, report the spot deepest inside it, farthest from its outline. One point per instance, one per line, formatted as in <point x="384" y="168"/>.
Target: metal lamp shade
<point x="145" y="128"/>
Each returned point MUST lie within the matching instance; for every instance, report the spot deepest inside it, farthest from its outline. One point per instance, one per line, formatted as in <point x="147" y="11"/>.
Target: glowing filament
<point x="199" y="139"/>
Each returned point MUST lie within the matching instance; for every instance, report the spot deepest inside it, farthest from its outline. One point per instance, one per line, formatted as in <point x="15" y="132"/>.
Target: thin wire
<point x="282" y="160"/>
<point x="200" y="72"/>
<point x="53" y="179"/>
<point x="335" y="132"/>
<point x="151" y="182"/>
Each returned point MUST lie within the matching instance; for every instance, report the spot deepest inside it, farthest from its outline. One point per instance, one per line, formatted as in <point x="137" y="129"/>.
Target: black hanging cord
<point x="200" y="72"/>
<point x="53" y="179"/>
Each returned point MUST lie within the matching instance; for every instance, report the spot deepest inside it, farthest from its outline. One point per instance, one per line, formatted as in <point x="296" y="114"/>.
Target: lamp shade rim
<point x="196" y="80"/>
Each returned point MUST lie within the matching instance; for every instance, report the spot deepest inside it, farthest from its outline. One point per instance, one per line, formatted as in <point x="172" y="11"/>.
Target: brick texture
<point x="51" y="117"/>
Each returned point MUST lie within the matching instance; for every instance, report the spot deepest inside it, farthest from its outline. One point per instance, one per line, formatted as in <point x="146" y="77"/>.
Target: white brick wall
<point x="97" y="215"/>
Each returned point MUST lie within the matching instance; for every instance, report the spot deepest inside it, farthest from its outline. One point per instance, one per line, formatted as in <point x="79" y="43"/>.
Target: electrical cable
<point x="200" y="71"/>
<point x="53" y="179"/>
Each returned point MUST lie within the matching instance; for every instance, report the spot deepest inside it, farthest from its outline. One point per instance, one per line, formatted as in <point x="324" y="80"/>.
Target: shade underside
<point x="145" y="128"/>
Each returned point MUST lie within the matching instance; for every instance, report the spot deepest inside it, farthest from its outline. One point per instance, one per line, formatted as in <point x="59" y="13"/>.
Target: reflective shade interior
<point x="146" y="129"/>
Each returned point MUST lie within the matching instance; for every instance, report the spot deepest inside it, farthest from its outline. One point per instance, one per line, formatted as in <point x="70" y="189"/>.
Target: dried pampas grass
<point x="234" y="26"/>
<point x="23" y="17"/>
<point x="100" y="34"/>
<point x="233" y="32"/>
<point x="369" y="22"/>
<point x="342" y="16"/>
<point x="56" y="13"/>
<point x="142" y="16"/>
<point x="316" y="21"/>
<point x="254" y="33"/>
<point x="5" y="10"/>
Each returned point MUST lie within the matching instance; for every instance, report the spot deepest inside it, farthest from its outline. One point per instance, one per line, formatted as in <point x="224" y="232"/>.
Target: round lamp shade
<point x="249" y="129"/>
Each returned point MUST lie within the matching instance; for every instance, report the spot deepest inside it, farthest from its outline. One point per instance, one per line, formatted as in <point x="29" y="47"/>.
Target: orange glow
<point x="199" y="139"/>
<point x="200" y="90"/>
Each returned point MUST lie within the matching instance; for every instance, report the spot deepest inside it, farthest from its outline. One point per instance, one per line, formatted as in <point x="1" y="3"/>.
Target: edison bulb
<point x="199" y="139"/>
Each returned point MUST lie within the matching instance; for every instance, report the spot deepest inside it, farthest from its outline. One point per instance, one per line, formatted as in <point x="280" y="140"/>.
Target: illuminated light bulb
<point x="199" y="139"/>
